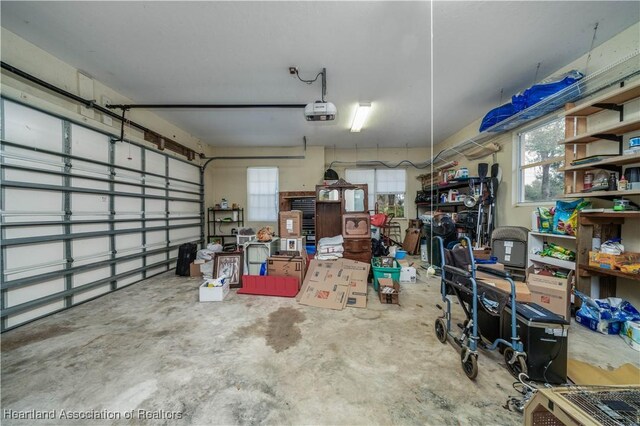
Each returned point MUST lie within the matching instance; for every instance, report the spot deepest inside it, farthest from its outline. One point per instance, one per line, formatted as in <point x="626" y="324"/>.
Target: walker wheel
<point x="441" y="330"/>
<point x="470" y="367"/>
<point x="519" y="366"/>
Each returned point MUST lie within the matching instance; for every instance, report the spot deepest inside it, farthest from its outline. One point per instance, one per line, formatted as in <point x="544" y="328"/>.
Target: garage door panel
<point x="34" y="259"/>
<point x="128" y="243"/>
<point x="177" y="194"/>
<point x="156" y="237"/>
<point x="128" y="206"/>
<point x="128" y="188"/>
<point x="176" y="207"/>
<point x="184" y="234"/>
<point x="29" y="200"/>
<point x="127" y="155"/>
<point x="82" y="278"/>
<point x="40" y="311"/>
<point x="32" y="177"/>
<point x="123" y="282"/>
<point x="130" y="225"/>
<point x="89" y="144"/>
<point x="184" y="171"/>
<point x="35" y="231"/>
<point x="89" y="294"/>
<point x="155" y="258"/>
<point x="32" y="128"/>
<point x="94" y="258"/>
<point x="83" y="203"/>
<point x="128" y="265"/>
<point x="18" y="296"/>
<point x="90" y="246"/>
<point x="89" y="183"/>
<point x="156" y="271"/>
<point x="155" y="163"/>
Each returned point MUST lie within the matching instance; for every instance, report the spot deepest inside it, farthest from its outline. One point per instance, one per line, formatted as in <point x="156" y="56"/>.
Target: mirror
<point x="328" y="195"/>
<point x="354" y="200"/>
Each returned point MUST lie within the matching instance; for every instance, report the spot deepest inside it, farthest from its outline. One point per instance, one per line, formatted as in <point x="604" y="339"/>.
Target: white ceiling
<point x="238" y="52"/>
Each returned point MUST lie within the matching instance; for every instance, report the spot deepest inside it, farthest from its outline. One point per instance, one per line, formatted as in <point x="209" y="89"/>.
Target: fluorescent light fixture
<point x="361" y="116"/>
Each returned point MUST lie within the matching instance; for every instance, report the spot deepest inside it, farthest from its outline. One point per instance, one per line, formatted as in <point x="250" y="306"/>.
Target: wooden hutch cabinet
<point x="338" y="199"/>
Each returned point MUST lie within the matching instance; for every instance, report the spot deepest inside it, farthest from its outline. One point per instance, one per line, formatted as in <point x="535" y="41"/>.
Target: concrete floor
<point x="250" y="359"/>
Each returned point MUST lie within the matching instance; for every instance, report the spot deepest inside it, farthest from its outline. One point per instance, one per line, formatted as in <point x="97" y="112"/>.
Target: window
<point x="262" y="194"/>
<point x="387" y="188"/>
<point x="540" y="159"/>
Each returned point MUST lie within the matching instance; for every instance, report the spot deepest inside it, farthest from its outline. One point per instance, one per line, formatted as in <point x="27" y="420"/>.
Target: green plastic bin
<point x="380" y="271"/>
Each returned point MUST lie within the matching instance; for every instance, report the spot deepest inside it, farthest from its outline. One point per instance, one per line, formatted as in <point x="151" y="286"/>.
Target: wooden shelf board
<point x="552" y="261"/>
<point x="612" y="272"/>
<point x="618" y="97"/>
<point x="546" y="234"/>
<point x="455" y="203"/>
<point x="617" y="160"/>
<point x="617" y="129"/>
<point x="593" y="194"/>
<point x="627" y="214"/>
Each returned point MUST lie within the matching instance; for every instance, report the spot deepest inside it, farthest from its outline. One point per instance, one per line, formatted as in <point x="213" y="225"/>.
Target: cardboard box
<point x="194" y="270"/>
<point x="290" y="224"/>
<point x="551" y="292"/>
<point x="612" y="261"/>
<point x="213" y="294"/>
<point x="328" y="284"/>
<point x="285" y="266"/>
<point x="357" y="297"/>
<point x="293" y="244"/>
<point x="522" y="291"/>
<point x="484" y="253"/>
<point x="386" y="298"/>
<point x="408" y="274"/>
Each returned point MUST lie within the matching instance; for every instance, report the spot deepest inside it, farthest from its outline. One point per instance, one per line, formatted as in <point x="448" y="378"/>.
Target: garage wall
<point x="83" y="215"/>
<point x="513" y="214"/>
<point x="392" y="156"/>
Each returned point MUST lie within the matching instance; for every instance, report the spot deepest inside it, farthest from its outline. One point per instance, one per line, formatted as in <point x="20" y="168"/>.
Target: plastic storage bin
<point x="380" y="271"/>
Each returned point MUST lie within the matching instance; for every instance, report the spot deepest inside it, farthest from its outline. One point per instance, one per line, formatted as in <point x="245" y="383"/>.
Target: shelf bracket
<point x="609" y="137"/>
<point x="609" y="106"/>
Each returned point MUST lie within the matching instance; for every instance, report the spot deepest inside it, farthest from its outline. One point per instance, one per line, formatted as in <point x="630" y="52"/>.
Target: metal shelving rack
<point x="213" y="221"/>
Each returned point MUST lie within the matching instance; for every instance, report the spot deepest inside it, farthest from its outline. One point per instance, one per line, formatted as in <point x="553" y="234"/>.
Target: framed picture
<point x="292" y="244"/>
<point x="229" y="264"/>
<point x="356" y="225"/>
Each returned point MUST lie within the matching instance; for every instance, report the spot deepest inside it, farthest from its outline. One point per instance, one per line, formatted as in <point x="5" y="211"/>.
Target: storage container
<point x="380" y="271"/>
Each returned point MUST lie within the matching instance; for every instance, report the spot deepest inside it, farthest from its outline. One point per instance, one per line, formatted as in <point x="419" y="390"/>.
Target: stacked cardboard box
<point x="290" y="224"/>
<point x="551" y="292"/>
<point x="335" y="284"/>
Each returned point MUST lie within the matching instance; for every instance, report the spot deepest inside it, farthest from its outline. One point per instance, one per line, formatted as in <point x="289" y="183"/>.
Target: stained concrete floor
<point x="258" y="360"/>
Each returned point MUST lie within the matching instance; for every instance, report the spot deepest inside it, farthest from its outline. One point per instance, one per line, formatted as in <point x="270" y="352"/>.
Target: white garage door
<point x="83" y="215"/>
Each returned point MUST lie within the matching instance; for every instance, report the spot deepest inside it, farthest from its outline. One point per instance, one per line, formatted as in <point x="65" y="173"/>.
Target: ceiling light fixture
<point x="361" y="116"/>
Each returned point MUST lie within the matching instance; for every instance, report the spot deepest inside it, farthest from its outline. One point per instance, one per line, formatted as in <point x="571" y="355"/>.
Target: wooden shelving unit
<point x="614" y="98"/>
<point x="614" y="160"/>
<point x="617" y="130"/>
<point x="607" y="225"/>
<point x="578" y="135"/>
<point x="588" y="270"/>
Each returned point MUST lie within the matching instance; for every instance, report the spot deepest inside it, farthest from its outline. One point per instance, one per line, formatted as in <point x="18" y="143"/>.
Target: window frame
<point x="373" y="191"/>
<point x="250" y="217"/>
<point x="518" y="157"/>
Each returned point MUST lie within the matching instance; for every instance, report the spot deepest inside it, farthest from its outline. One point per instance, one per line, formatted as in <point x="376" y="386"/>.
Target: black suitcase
<point x="186" y="255"/>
